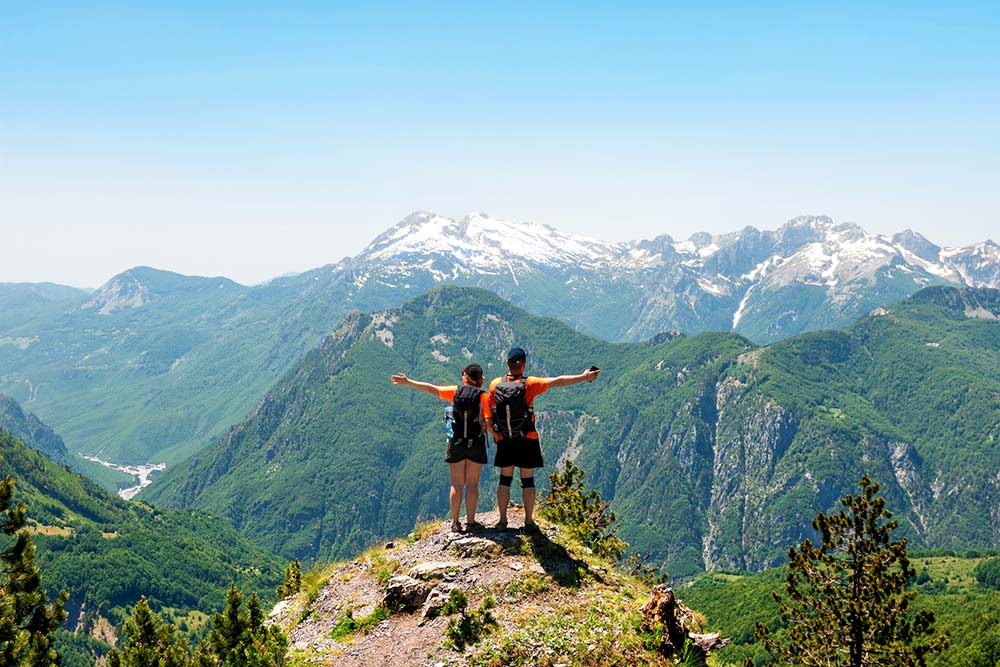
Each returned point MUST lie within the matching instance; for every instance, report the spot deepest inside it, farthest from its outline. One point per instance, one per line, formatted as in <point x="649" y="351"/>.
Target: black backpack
<point x="512" y="415"/>
<point x="466" y="422"/>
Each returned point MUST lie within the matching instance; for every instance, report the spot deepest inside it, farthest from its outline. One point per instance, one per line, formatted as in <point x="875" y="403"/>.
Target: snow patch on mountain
<point x="480" y="244"/>
<point x="739" y="272"/>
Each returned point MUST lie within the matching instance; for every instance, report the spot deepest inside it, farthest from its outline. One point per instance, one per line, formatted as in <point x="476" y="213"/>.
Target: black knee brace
<point x="505" y="480"/>
<point x="527" y="482"/>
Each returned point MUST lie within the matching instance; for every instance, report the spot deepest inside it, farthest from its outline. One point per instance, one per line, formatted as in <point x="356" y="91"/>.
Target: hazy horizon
<point x="265" y="279"/>
<point x="249" y="140"/>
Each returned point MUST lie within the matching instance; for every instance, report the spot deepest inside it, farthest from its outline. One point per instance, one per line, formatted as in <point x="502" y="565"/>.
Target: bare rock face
<point x="436" y="600"/>
<point x="434" y="570"/>
<point x="664" y="610"/>
<point x="404" y="592"/>
<point x="476" y="547"/>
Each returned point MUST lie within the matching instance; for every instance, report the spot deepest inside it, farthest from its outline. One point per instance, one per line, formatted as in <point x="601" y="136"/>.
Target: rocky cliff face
<point x="28" y="428"/>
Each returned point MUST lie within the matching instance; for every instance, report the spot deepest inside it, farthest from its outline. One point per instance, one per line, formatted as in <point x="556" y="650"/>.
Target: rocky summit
<point x="486" y="597"/>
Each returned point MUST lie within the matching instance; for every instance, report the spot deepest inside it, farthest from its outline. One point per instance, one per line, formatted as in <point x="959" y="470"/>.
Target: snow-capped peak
<point x="729" y="271"/>
<point x="482" y="242"/>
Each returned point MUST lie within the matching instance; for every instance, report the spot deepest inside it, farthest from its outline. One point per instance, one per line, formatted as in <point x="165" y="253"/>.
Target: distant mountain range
<point x="811" y="273"/>
<point x="154" y="365"/>
<point x="715" y="452"/>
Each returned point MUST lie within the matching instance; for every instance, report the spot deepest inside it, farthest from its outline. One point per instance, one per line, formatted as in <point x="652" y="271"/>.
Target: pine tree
<point x="150" y="642"/>
<point x="293" y="580"/>
<point x="239" y="638"/>
<point x="582" y="512"/>
<point x="26" y="617"/>
<point x="849" y="602"/>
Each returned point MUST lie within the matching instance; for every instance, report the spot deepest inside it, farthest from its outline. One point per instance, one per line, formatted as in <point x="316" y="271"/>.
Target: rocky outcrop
<point x="393" y="606"/>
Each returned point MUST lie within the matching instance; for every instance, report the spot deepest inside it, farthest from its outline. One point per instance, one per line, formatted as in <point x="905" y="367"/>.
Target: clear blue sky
<point x="252" y="139"/>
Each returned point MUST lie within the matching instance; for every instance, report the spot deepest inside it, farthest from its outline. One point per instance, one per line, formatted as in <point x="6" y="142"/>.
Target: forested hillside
<point x="965" y="608"/>
<point x="107" y="552"/>
<point x="715" y="452"/>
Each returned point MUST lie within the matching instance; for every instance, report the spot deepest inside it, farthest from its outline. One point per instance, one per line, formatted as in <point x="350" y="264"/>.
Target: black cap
<point x="516" y="354"/>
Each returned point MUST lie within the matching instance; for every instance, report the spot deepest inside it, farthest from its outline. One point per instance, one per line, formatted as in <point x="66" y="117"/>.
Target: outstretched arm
<point x="566" y="380"/>
<point x="426" y="387"/>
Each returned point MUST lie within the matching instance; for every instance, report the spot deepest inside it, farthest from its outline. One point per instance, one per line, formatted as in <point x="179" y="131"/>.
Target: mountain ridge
<point x="714" y="452"/>
<point x="153" y="366"/>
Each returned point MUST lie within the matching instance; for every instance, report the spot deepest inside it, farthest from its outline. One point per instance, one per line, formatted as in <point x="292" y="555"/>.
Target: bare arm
<point x="566" y="380"/>
<point x="491" y="428"/>
<point x="488" y="419"/>
<point x="426" y="387"/>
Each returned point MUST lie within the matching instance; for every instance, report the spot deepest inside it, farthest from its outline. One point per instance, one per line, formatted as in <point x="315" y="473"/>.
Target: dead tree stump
<point x="665" y="611"/>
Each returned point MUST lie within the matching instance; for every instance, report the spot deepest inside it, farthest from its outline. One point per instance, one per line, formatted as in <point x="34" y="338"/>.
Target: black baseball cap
<point x="516" y="354"/>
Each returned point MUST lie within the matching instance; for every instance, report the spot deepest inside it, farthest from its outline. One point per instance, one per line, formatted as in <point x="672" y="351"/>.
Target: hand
<point x="590" y="375"/>
<point x="400" y="378"/>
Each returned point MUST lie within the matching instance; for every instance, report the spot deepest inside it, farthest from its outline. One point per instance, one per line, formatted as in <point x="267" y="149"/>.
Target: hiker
<point x="510" y="419"/>
<point x="466" y="452"/>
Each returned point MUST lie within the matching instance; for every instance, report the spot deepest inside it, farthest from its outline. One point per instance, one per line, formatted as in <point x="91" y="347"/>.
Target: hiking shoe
<point x="531" y="528"/>
<point x="456" y="527"/>
<point x="474" y="525"/>
<point x="501" y="525"/>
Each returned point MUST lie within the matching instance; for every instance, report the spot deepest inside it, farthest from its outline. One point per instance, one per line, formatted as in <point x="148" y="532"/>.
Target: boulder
<point x="403" y="592"/>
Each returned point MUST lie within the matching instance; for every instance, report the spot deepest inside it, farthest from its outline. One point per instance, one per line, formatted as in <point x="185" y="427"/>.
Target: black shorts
<point x="519" y="452"/>
<point x="466" y="448"/>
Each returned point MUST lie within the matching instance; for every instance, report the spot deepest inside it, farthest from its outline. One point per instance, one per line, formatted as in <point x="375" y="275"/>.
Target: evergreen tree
<point x="26" y="617"/>
<point x="293" y="580"/>
<point x="582" y="512"/>
<point x="849" y="602"/>
<point x="150" y="642"/>
<point x="239" y="638"/>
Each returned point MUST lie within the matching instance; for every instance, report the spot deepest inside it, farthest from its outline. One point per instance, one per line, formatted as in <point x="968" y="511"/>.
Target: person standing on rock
<point x="510" y="419"/>
<point x="466" y="452"/>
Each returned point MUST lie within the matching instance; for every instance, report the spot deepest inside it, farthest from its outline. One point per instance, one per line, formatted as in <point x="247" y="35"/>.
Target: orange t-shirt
<point x="448" y="394"/>
<point x="533" y="387"/>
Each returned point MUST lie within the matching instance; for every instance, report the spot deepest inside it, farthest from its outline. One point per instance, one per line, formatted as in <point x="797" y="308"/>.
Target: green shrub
<point x="467" y="628"/>
<point x="583" y="513"/>
<point x="347" y="625"/>
<point x="293" y="580"/>
<point x="988" y="573"/>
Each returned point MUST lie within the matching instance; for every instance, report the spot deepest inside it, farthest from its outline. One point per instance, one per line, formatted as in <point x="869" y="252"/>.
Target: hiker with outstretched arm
<point x="510" y="419"/>
<point x="466" y="450"/>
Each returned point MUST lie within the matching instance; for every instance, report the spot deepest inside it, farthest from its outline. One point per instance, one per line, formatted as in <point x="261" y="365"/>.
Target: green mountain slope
<point x="964" y="609"/>
<point x="29" y="428"/>
<point x="107" y="552"/>
<point x="154" y="365"/>
<point x="715" y="453"/>
<point x="25" y="305"/>
<point x="335" y="454"/>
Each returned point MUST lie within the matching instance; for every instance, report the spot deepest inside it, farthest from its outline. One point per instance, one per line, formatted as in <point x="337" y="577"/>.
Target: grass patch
<point x="348" y="626"/>
<point x="314" y="579"/>
<point x="53" y="531"/>
<point x="382" y="568"/>
<point x="595" y="629"/>
<point x="422" y="530"/>
<point x="948" y="574"/>
<point x="529" y="585"/>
